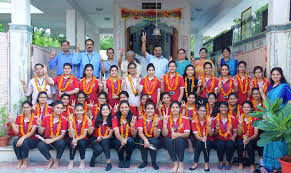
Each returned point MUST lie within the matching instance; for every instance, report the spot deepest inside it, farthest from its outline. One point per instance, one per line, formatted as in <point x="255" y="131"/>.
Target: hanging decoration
<point x="151" y="14"/>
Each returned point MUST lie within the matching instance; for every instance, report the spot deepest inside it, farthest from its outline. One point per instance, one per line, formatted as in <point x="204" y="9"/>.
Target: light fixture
<point x="157" y="31"/>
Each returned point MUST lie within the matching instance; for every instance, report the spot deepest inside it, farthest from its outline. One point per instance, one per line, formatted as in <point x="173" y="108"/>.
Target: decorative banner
<point x="150" y="14"/>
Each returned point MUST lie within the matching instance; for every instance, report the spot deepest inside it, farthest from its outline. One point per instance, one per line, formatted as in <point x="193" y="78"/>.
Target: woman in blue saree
<point x="279" y="88"/>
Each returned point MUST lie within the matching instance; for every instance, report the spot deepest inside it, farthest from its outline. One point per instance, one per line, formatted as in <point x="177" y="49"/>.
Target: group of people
<point x="176" y="105"/>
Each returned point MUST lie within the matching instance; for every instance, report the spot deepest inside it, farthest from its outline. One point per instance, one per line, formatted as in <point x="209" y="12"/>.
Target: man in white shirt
<point x="38" y="84"/>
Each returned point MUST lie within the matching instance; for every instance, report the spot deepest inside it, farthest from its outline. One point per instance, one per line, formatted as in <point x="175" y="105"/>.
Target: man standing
<point x="160" y="62"/>
<point x="87" y="57"/>
<point x="58" y="61"/>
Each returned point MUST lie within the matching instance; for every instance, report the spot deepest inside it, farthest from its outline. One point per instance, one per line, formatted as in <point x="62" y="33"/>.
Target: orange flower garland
<point x="58" y="128"/>
<point x="112" y="86"/>
<point x="238" y="111"/>
<point x="38" y="110"/>
<point x="60" y="84"/>
<point x="180" y="122"/>
<point x="249" y="124"/>
<point x="134" y="91"/>
<point x="38" y="87"/>
<point x="197" y="125"/>
<point x="243" y="88"/>
<point x="209" y="90"/>
<point x="164" y="110"/>
<point x="88" y="89"/>
<point x="194" y="110"/>
<point x="21" y="124"/>
<point x="192" y="86"/>
<point x="105" y="133"/>
<point x="84" y="121"/>
<point x="265" y="84"/>
<point x="226" y="93"/>
<point x="147" y="133"/>
<point x="169" y="84"/>
<point x="229" y="124"/>
<point x="147" y="87"/>
<point x="141" y="111"/>
<point x="124" y="135"/>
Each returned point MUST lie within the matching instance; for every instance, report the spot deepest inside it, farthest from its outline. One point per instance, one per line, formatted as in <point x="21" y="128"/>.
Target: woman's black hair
<point x="188" y="66"/>
<point x="113" y="66"/>
<point x="123" y="93"/>
<point x="172" y="62"/>
<point x="226" y="48"/>
<point x="65" y="95"/>
<point x="128" y="116"/>
<point x="212" y="93"/>
<point x="163" y="94"/>
<point x="201" y="105"/>
<point x="99" y="118"/>
<point x="26" y="102"/>
<point x="103" y="93"/>
<point x="181" y="49"/>
<point x="175" y="102"/>
<point x="131" y="63"/>
<point x="278" y="69"/>
<point x="208" y="64"/>
<point x="80" y="93"/>
<point x="203" y="48"/>
<point x="233" y="94"/>
<point x="223" y="103"/>
<point x="227" y="67"/>
<point x="249" y="103"/>
<point x="110" y="49"/>
<point x="150" y="103"/>
<point x="38" y="64"/>
<point x="79" y="104"/>
<point x="144" y="95"/>
<point x="67" y="65"/>
<point x="58" y="102"/>
<point x="150" y="65"/>
<point x="242" y="62"/>
<point x="39" y="94"/>
<point x="88" y="66"/>
<point x="192" y="93"/>
<point x="258" y="68"/>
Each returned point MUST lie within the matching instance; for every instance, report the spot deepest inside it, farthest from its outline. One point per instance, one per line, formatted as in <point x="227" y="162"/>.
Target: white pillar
<point x="278" y="37"/>
<point x="118" y="29"/>
<point x="71" y="26"/>
<point x="198" y="43"/>
<point x="95" y="36"/>
<point x="20" y="39"/>
<point x="81" y="31"/>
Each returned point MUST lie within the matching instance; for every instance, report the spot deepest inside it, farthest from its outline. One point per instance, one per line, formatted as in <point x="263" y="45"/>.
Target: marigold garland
<point x="88" y="89"/>
<point x="149" y="133"/>
<point x="187" y="110"/>
<point x="105" y="133"/>
<point x="238" y="110"/>
<point x="226" y="93"/>
<point x="169" y="84"/>
<point x="198" y="125"/>
<point x="21" y="124"/>
<point x="209" y="90"/>
<point x="124" y="135"/>
<point x="113" y="91"/>
<point x="186" y="86"/>
<point x="134" y="91"/>
<point x="38" y="110"/>
<point x="38" y="87"/>
<point x="180" y="122"/>
<point x="265" y="82"/>
<point x="60" y="84"/>
<point x="243" y="88"/>
<point x="84" y="121"/>
<point x="229" y="124"/>
<point x="52" y="135"/>
<point x="147" y="87"/>
<point x="249" y="125"/>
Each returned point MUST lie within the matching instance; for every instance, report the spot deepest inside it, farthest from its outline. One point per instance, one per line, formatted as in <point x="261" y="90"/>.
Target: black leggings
<point x="176" y="148"/>
<point x="99" y="147"/>
<point x="200" y="146"/>
<point x="44" y="148"/>
<point x="81" y="146"/>
<point x="22" y="151"/>
<point x="250" y="148"/>
<point x="226" y="147"/>
<point x="128" y="148"/>
<point x="144" y="151"/>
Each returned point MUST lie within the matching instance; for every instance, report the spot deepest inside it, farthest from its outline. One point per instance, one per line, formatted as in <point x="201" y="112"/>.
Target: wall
<point x="3" y="68"/>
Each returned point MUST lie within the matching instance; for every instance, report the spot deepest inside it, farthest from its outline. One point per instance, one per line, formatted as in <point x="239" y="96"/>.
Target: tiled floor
<point x="38" y="167"/>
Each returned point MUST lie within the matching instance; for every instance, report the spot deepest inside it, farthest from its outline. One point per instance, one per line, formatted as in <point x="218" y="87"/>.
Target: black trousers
<point x="59" y="146"/>
<point x="144" y="151"/>
<point x="81" y="146"/>
<point x="128" y="148"/>
<point x="176" y="148"/>
<point x="102" y="146"/>
<point x="226" y="147"/>
<point x="22" y="151"/>
<point x="200" y="146"/>
<point x="250" y="148"/>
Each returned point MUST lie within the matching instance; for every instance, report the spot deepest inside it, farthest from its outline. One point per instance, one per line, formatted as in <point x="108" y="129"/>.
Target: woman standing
<point x="124" y="127"/>
<point x="102" y="132"/>
<point x="149" y="129"/>
<point x="260" y="81"/>
<point x="111" y="61"/>
<point x="182" y="61"/>
<point x="175" y="130"/>
<point x="41" y="107"/>
<point x="24" y="127"/>
<point x="113" y="86"/>
<point x="231" y="62"/>
<point x="203" y="129"/>
<point x="78" y="128"/>
<point x="208" y="83"/>
<point x="279" y="88"/>
<point x="53" y="127"/>
<point x="199" y="64"/>
<point x="191" y="82"/>
<point x="247" y="135"/>
<point x="226" y="132"/>
<point x="226" y="84"/>
<point x="173" y="83"/>
<point x="151" y="84"/>
<point x="131" y="85"/>
<point x="89" y="84"/>
<point x="243" y="81"/>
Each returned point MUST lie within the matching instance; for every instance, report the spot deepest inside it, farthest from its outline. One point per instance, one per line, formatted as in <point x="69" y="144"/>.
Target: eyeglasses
<point x="132" y="68"/>
<point x="102" y="98"/>
<point x="202" y="111"/>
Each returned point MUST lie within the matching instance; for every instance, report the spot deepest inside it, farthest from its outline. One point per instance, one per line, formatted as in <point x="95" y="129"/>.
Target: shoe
<point x="121" y="164"/>
<point x="227" y="167"/>
<point x="192" y="169"/>
<point x="143" y="165"/>
<point x="108" y="167"/>
<point x="155" y="166"/>
<point x="220" y="166"/>
<point x="92" y="162"/>
<point x="127" y="164"/>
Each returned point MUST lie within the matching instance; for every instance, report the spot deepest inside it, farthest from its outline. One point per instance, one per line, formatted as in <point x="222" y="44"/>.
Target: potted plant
<point x="4" y="138"/>
<point x="275" y="122"/>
